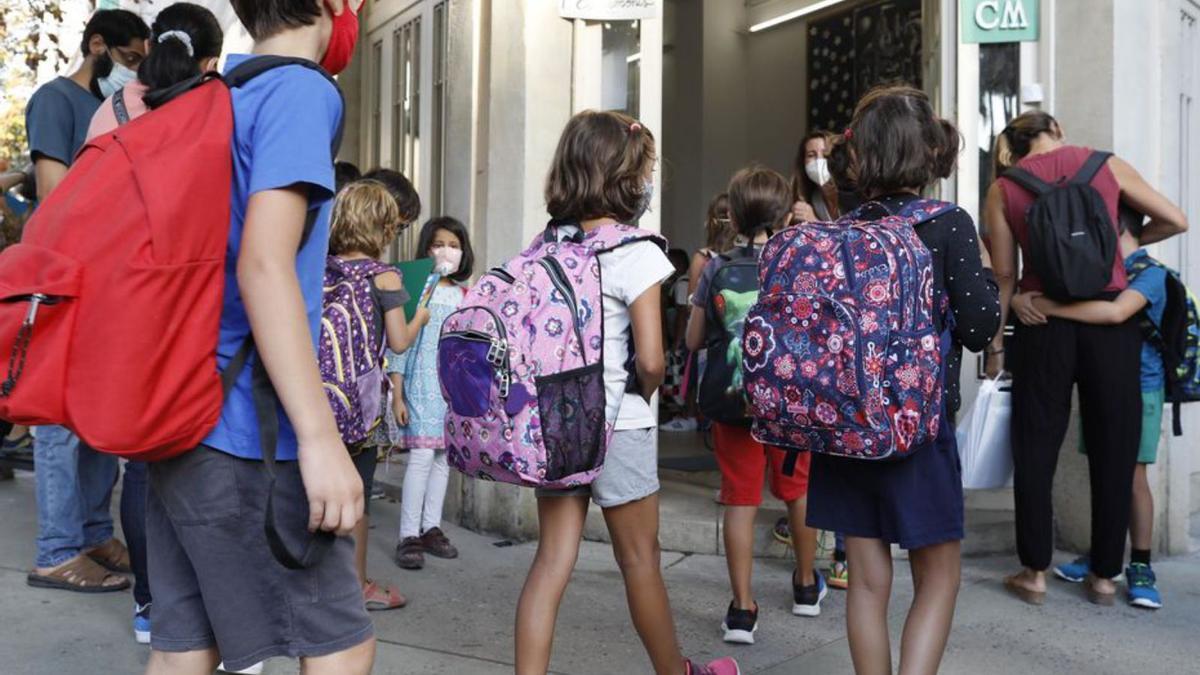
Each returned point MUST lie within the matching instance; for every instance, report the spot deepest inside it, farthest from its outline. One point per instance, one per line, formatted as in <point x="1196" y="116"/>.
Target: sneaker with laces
<point x="679" y="424"/>
<point x="807" y="599"/>
<point x="1143" y="586"/>
<point x="437" y="544"/>
<point x="739" y="624"/>
<point x="722" y="666"/>
<point x="1075" y="571"/>
<point x="141" y="623"/>
<point x="839" y="575"/>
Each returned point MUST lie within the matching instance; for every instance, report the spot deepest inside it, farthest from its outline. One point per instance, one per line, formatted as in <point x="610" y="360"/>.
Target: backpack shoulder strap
<point x="610" y="237"/>
<point x="1028" y="181"/>
<point x="253" y="67"/>
<point x="120" y="110"/>
<point x="1091" y="167"/>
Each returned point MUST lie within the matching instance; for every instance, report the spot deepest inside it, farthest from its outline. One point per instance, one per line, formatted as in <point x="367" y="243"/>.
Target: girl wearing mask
<point x="812" y="184"/>
<point x="418" y="405"/>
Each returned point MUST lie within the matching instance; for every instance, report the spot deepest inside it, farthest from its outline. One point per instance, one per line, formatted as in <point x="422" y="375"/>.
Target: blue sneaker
<point x="1075" y="571"/>
<point x="141" y="623"/>
<point x="1143" y="591"/>
<point x="806" y="600"/>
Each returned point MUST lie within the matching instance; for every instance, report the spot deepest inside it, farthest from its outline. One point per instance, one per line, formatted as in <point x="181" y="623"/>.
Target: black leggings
<point x="1105" y="362"/>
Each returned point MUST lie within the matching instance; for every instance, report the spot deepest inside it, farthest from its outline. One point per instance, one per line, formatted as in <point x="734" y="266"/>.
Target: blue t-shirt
<point x="57" y="119"/>
<point x="1151" y="283"/>
<point x="284" y="124"/>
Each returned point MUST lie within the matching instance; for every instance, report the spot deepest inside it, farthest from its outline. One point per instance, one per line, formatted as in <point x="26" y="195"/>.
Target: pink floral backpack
<point x="521" y="364"/>
<point x="841" y="352"/>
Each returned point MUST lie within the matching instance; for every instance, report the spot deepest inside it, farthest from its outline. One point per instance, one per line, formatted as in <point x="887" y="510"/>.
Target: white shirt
<point x="626" y="273"/>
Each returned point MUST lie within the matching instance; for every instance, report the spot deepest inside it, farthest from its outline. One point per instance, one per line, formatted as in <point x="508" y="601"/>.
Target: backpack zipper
<point x="558" y="277"/>
<point x="502" y="274"/>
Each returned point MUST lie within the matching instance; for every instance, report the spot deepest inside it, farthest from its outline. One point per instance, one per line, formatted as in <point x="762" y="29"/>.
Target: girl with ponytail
<point x="185" y="43"/>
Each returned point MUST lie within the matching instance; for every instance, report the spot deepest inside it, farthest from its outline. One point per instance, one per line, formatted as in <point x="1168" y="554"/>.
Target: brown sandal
<point x="1097" y="597"/>
<point x="80" y="574"/>
<point x="1025" y="594"/>
<point x="112" y="556"/>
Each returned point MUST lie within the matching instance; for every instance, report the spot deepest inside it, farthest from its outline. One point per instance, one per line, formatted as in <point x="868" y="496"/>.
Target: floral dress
<point x="422" y="389"/>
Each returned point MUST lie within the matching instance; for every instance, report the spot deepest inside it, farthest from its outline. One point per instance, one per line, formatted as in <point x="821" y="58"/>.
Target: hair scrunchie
<point x="182" y="37"/>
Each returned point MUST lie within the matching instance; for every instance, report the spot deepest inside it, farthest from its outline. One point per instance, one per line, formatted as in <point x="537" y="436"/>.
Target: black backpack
<point x="733" y="290"/>
<point x="1072" y="239"/>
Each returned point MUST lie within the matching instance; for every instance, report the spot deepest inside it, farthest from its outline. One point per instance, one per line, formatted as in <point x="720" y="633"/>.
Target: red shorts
<point x="744" y="462"/>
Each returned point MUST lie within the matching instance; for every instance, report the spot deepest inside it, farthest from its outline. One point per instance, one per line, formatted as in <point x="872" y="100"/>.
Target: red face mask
<point x="342" y="40"/>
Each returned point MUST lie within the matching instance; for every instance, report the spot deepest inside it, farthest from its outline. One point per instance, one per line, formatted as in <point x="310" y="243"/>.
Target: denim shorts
<point x="630" y="471"/>
<point x="214" y="580"/>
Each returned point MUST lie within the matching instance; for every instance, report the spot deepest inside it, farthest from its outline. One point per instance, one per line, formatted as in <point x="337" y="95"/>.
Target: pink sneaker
<point x="724" y="666"/>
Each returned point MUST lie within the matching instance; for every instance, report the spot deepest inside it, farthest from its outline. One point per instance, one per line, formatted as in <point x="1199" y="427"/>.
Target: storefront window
<point x="376" y="102"/>
<point x="441" y="39"/>
<point x="621" y="66"/>
<point x="406" y="117"/>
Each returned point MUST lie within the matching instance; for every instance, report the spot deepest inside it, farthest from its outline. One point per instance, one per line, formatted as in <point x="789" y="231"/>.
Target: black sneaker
<point x="807" y="599"/>
<point x="740" y="624"/>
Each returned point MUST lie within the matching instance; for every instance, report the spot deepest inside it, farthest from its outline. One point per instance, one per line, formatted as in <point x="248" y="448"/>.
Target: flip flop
<point x="112" y="556"/>
<point x="1026" y="595"/>
<point x="79" y="574"/>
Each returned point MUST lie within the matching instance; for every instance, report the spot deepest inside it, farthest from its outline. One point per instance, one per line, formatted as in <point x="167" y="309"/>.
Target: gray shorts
<point x="630" y="471"/>
<point x="212" y="575"/>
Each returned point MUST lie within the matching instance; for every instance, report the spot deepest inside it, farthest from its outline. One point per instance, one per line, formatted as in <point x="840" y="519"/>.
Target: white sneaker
<point x="679" y="424"/>
<point x="255" y="669"/>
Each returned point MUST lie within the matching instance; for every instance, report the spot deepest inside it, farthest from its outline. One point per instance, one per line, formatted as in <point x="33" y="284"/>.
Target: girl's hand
<point x="400" y="410"/>
<point x="802" y="212"/>
<point x="1022" y="305"/>
<point x="993" y="364"/>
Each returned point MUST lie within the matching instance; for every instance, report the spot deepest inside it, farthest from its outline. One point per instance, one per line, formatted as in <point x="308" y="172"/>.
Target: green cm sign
<point x="999" y="20"/>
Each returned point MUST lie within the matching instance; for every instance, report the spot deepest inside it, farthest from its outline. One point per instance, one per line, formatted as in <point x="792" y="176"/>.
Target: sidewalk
<point x="460" y="613"/>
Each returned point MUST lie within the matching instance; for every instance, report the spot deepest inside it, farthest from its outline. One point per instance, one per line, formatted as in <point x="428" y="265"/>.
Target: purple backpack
<point x="521" y="364"/>
<point x="841" y="353"/>
<point x="350" y="353"/>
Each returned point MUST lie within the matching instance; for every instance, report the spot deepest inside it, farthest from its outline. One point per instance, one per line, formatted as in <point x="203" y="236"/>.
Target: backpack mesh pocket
<point x="571" y="405"/>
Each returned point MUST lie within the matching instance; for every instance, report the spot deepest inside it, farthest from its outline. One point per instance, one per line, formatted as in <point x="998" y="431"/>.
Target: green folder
<point x="414" y="274"/>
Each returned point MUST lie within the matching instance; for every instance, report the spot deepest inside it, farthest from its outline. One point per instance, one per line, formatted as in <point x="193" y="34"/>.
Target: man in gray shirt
<point x="75" y="546"/>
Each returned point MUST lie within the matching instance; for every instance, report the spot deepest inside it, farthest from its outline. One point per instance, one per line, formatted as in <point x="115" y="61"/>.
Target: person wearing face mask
<point x="814" y="193"/>
<point x="58" y="114"/>
<point x="76" y="549"/>
<point x="417" y="403"/>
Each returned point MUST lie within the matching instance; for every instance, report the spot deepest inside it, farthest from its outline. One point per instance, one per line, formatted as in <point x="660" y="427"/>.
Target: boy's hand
<point x="335" y="490"/>
<point x="1022" y="305"/>
<point x="400" y="410"/>
<point x="802" y="212"/>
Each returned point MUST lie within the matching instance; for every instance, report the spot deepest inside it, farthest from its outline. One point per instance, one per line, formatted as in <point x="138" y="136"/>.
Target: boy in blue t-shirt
<point x="1147" y="292"/>
<point x="219" y="592"/>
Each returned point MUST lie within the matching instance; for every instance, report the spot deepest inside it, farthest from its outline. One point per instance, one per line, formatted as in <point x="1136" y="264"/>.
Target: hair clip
<point x="181" y="36"/>
<point x="636" y="126"/>
<point x="848" y="133"/>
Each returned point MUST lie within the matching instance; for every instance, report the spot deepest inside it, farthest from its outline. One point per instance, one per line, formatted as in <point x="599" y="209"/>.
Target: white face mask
<point x="447" y="260"/>
<point x="647" y="197"/>
<point x="116" y="80"/>
<point x="818" y="170"/>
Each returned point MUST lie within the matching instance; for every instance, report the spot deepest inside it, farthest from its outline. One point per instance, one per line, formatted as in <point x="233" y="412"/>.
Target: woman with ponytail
<point x="185" y="43"/>
<point x="1054" y="355"/>
<point x="894" y="150"/>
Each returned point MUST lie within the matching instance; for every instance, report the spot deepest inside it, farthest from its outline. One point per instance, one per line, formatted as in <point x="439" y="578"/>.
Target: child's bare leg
<point x="804" y="542"/>
<point x="1141" y="521"/>
<point x="356" y="660"/>
<point x="867" y="605"/>
<point x="739" y="553"/>
<point x="936" y="573"/>
<point x="634" y="531"/>
<point x="560" y="527"/>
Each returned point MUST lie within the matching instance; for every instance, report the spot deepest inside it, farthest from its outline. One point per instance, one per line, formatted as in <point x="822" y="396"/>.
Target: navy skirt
<point x="914" y="502"/>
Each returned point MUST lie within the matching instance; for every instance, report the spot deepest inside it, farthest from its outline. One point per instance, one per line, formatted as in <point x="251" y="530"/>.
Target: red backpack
<point x="110" y="306"/>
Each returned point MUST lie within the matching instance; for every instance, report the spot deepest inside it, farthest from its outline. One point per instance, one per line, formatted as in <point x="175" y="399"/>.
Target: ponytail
<point x="184" y="35"/>
<point x="1014" y="143"/>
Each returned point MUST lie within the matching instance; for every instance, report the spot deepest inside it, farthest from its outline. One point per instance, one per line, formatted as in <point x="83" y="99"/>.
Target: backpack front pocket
<point x="572" y="407"/>
<point x="467" y="360"/>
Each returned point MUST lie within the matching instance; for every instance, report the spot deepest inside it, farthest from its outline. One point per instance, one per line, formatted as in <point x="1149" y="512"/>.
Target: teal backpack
<point x="1177" y="338"/>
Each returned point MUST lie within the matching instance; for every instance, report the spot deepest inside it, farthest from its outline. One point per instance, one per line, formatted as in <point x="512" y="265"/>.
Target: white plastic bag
<point x="984" y="438"/>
